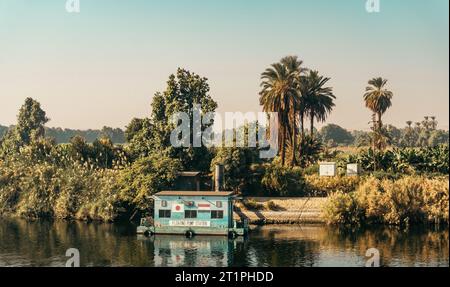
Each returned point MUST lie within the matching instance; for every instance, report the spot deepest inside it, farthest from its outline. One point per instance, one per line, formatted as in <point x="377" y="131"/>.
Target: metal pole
<point x="218" y="177"/>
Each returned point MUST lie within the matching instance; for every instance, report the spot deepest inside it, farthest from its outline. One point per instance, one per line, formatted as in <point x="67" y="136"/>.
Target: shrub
<point x="283" y="181"/>
<point x="342" y="208"/>
<point x="412" y="199"/>
<point x="322" y="185"/>
<point x="403" y="200"/>
<point x="436" y="199"/>
<point x="311" y="170"/>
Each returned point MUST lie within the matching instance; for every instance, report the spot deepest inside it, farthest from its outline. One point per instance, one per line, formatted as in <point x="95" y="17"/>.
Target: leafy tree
<point x="237" y="166"/>
<point x="139" y="134"/>
<point x="147" y="176"/>
<point x="184" y="90"/>
<point x="30" y="122"/>
<point x="133" y="128"/>
<point x="29" y="127"/>
<point x="79" y="148"/>
<point x="103" y="152"/>
<point x="337" y="134"/>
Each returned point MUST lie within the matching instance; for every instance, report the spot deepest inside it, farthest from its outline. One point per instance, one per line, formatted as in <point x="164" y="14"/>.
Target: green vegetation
<point x="96" y="179"/>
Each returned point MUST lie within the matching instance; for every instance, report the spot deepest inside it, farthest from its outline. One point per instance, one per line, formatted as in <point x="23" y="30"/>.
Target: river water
<point x="44" y="243"/>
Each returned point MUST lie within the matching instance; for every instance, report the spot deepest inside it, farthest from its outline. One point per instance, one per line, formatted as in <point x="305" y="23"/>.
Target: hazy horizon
<point x="101" y="67"/>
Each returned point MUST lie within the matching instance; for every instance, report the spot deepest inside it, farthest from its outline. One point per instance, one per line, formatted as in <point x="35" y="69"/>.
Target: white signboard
<point x="327" y="169"/>
<point x="176" y="207"/>
<point x="193" y="223"/>
<point x="352" y="169"/>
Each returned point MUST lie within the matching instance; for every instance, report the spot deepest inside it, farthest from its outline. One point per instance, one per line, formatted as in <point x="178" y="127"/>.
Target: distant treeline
<point x="61" y="135"/>
<point x="419" y="134"/>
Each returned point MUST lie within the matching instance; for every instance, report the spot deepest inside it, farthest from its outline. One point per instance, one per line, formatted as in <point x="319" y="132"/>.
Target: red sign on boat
<point x="204" y="206"/>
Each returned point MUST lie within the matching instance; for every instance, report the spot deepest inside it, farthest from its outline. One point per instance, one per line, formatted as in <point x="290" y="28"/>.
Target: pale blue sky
<point x="103" y="65"/>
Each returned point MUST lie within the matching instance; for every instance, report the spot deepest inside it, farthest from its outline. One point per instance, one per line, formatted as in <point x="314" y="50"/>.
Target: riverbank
<point x="275" y="210"/>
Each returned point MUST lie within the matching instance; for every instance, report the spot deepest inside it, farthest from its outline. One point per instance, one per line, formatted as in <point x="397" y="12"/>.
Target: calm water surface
<point x="44" y="243"/>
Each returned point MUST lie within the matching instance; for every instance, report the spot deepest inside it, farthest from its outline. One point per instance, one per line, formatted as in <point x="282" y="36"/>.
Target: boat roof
<point x="194" y="193"/>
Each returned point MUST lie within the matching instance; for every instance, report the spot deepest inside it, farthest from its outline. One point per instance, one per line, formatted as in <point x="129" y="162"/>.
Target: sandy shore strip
<point x="274" y="210"/>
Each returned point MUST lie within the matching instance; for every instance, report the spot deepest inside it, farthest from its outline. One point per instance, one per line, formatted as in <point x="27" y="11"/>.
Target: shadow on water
<point x="44" y="243"/>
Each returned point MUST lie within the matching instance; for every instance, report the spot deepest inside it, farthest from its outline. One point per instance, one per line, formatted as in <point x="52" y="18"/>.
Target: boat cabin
<point x="193" y="213"/>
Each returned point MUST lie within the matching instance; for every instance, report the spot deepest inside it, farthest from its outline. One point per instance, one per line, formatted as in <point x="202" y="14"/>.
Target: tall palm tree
<point x="279" y="94"/>
<point x="378" y="99"/>
<point x="319" y="99"/>
<point x="296" y="69"/>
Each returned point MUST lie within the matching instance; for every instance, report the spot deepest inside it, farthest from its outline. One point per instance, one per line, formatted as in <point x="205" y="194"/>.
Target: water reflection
<point x="214" y="251"/>
<point x="44" y="243"/>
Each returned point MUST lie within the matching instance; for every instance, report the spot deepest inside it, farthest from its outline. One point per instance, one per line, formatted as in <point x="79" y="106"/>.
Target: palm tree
<point x="319" y="99"/>
<point x="378" y="99"/>
<point x="418" y="125"/>
<point x="409" y="123"/>
<point x="295" y="68"/>
<point x="279" y="94"/>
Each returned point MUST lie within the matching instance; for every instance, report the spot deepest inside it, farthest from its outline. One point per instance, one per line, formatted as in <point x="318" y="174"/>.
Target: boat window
<point x="190" y="214"/>
<point x="164" y="203"/>
<point x="217" y="214"/>
<point x="218" y="204"/>
<point x="164" y="213"/>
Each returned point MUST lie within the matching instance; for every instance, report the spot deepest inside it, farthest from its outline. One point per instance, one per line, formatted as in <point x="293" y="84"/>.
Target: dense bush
<point x="48" y="180"/>
<point x="342" y="208"/>
<point x="145" y="177"/>
<point x="323" y="186"/>
<point x="405" y="201"/>
<point x="282" y="181"/>
<point x="44" y="189"/>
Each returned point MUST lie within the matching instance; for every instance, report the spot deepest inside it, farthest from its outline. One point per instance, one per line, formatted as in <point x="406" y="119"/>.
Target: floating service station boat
<point x="192" y="213"/>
